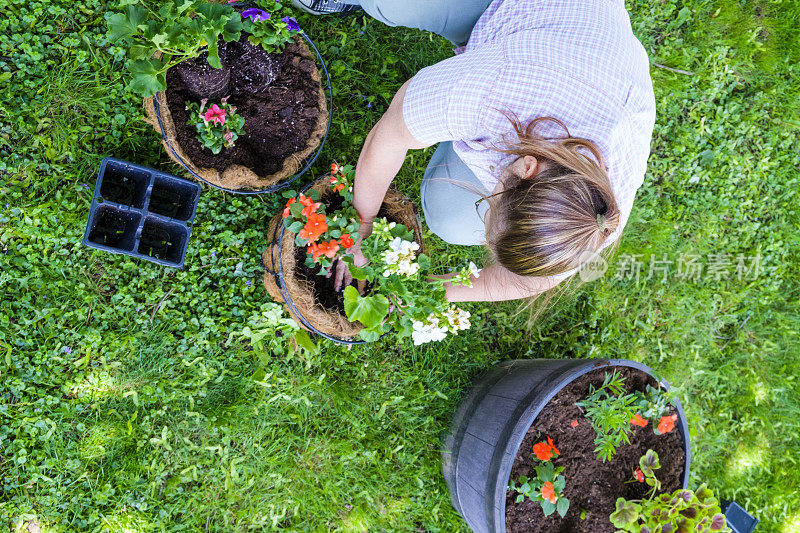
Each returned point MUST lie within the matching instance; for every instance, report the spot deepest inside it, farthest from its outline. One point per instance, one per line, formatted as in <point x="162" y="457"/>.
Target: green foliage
<point x="212" y="134"/>
<point x="397" y="274"/>
<point x="157" y="39"/>
<point x="609" y="410"/>
<point x="683" y="510"/>
<point x="349" y="439"/>
<point x="546" y="474"/>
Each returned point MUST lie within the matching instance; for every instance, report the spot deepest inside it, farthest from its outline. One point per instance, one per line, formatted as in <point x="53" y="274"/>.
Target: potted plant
<point x="234" y="92"/>
<point x="682" y="510"/>
<point x="550" y="445"/>
<point x="317" y="226"/>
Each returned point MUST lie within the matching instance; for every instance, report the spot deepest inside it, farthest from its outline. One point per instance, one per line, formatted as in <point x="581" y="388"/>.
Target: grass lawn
<point x="133" y="400"/>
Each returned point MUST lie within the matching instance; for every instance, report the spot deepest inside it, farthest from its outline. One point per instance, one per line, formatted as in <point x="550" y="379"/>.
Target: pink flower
<point x="215" y="114"/>
<point x="228" y="136"/>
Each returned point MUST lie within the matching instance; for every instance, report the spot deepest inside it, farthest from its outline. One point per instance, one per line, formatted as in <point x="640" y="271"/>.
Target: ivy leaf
<point x="369" y="310"/>
<point x="627" y="513"/>
<point x="147" y="80"/>
<point x="123" y="26"/>
<point x="562" y="506"/>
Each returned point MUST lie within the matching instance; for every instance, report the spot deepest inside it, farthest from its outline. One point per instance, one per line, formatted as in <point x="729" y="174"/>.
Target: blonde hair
<point x="545" y="224"/>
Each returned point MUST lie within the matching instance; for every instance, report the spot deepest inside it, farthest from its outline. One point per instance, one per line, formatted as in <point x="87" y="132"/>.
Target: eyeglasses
<point x="479" y="200"/>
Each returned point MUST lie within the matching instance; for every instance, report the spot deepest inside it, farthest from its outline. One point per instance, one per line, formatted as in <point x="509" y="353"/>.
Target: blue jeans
<point x="453" y="20"/>
<point x="449" y="191"/>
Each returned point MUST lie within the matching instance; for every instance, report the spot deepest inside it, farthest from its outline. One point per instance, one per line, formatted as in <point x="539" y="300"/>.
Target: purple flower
<point x="249" y="282"/>
<point x="291" y="24"/>
<point x="85" y="186"/>
<point x="66" y="349"/>
<point x="369" y="105"/>
<point x="256" y="14"/>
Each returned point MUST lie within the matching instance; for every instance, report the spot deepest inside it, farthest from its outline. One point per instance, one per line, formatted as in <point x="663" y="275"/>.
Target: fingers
<point x="337" y="282"/>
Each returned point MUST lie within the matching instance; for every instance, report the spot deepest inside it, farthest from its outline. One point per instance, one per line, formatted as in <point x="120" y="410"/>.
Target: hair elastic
<point x="601" y="221"/>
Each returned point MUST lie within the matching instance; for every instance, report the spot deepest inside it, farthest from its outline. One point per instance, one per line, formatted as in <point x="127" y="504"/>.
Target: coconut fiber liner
<point x="238" y="177"/>
<point x="395" y="207"/>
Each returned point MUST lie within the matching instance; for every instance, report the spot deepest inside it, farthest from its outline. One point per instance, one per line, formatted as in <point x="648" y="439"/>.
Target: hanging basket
<point x="285" y="286"/>
<point x="238" y="179"/>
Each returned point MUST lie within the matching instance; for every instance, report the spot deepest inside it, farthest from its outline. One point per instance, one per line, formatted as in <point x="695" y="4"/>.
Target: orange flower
<point x="316" y="226"/>
<point x="638" y="421"/>
<point x="574" y="423"/>
<point x="542" y="451"/>
<point x="287" y="212"/>
<point x="667" y="423"/>
<point x="552" y="446"/>
<point x="328" y="249"/>
<point x="338" y="188"/>
<point x="310" y="209"/>
<point x="334" y="168"/>
<point x="639" y="475"/>
<point x="346" y="241"/>
<point x="333" y="179"/>
<point x="548" y="492"/>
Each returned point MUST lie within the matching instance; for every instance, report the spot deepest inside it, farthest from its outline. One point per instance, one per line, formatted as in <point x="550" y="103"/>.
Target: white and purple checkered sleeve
<point x="446" y="101"/>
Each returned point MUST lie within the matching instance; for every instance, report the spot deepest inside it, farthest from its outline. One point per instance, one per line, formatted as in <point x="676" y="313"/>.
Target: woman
<point x="547" y="113"/>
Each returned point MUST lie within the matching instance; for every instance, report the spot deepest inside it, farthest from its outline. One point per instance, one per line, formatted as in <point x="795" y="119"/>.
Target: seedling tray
<point x="141" y="212"/>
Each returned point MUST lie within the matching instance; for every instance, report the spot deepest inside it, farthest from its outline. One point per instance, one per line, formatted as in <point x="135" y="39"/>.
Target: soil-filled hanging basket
<point x="310" y="299"/>
<point x="512" y="406"/>
<point x="282" y="98"/>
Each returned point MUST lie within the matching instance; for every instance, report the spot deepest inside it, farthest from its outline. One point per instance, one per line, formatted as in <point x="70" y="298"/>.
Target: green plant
<point x="682" y="511"/>
<point x="158" y="39"/>
<point x="401" y="297"/>
<point x="218" y="126"/>
<point x="325" y="235"/>
<point x="611" y="411"/>
<point x="548" y="485"/>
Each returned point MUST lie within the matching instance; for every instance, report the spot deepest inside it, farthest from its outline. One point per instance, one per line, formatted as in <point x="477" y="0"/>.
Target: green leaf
<point x="147" y="80"/>
<point x="213" y="50"/>
<point x="124" y="26"/>
<point x="520" y="498"/>
<point x="369" y="310"/>
<point x="303" y="339"/>
<point x="547" y="507"/>
<point x="233" y="28"/>
<point x="295" y="226"/>
<point x="562" y="506"/>
<point x="356" y="272"/>
<point x="627" y="513"/>
<point x="296" y="209"/>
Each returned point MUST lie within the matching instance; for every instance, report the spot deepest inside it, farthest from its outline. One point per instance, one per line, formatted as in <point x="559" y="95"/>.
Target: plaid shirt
<point x="575" y="61"/>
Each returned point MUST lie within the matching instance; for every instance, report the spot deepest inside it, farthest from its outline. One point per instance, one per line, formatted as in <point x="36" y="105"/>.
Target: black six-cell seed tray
<point x="141" y="212"/>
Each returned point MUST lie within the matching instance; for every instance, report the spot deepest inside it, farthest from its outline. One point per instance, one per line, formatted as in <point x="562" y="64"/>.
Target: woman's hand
<point x="342" y="274"/>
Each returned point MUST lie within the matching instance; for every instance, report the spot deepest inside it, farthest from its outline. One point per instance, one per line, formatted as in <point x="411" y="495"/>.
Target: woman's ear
<point x="530" y="167"/>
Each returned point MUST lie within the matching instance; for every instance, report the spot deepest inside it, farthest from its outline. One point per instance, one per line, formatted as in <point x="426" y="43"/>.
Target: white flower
<point x="458" y="319"/>
<point x="390" y="257"/>
<point x="474" y="270"/>
<point x="407" y="268"/>
<point x="427" y="332"/>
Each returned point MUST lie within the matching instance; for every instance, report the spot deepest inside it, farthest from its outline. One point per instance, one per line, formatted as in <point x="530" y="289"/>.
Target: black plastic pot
<point x="739" y="520"/>
<point x="489" y="425"/>
<point x="282" y="184"/>
<point x="141" y="212"/>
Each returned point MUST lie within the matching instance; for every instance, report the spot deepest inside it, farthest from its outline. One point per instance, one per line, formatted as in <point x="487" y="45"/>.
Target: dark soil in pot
<point x="591" y="485"/>
<point x="275" y="93"/>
